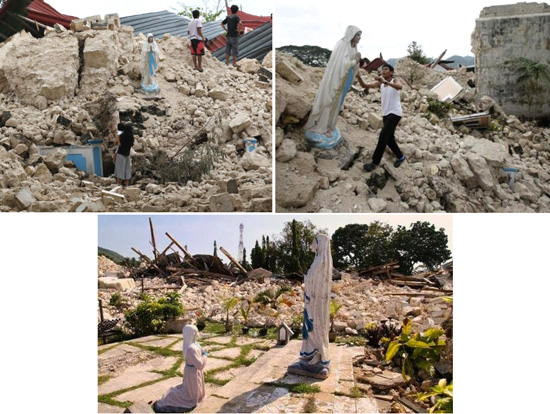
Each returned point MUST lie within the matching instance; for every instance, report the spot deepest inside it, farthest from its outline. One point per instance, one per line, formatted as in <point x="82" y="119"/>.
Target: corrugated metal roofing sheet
<point x="253" y="45"/>
<point x="43" y="13"/>
<point x="163" y="22"/>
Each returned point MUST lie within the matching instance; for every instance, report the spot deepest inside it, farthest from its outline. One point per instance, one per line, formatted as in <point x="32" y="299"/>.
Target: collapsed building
<point x="464" y="152"/>
<point x="49" y="109"/>
<point x="504" y="34"/>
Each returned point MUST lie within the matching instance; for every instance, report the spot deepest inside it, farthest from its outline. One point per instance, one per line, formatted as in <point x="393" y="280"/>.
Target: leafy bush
<point x="150" y="315"/>
<point x="415" y="351"/>
<point x="374" y="333"/>
<point x="442" y="397"/>
<point x="116" y="300"/>
<point x="441" y="109"/>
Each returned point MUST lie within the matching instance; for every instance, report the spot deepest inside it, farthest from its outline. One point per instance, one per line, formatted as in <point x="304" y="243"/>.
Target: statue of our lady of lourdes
<point x="314" y="355"/>
<point x="148" y="65"/>
<point x="343" y="65"/>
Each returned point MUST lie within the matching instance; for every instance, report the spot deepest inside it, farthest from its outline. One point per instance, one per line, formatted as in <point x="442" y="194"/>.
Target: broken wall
<point x="505" y="33"/>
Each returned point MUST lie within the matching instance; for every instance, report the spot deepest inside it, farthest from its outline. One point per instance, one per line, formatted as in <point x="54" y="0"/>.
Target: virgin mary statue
<point x="148" y="64"/>
<point x="343" y="65"/>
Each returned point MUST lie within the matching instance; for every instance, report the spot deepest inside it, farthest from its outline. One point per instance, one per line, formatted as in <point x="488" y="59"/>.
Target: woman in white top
<point x="320" y="129"/>
<point x="149" y="61"/>
<point x="391" y="112"/>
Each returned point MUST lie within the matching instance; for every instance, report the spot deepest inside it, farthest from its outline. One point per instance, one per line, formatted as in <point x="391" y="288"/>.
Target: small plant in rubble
<point x="387" y="329"/>
<point x="191" y="165"/>
<point x="440" y="396"/>
<point x="415" y="352"/>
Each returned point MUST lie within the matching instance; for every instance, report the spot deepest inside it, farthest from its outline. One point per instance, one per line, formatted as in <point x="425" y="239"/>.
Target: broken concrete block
<point x="288" y="73"/>
<point x="24" y="199"/>
<point x="240" y="122"/>
<point x="375" y="120"/>
<point x="286" y="151"/>
<point x="222" y="203"/>
<point x="218" y="94"/>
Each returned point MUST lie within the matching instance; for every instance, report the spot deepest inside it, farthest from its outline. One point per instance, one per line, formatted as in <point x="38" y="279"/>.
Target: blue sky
<point x="198" y="232"/>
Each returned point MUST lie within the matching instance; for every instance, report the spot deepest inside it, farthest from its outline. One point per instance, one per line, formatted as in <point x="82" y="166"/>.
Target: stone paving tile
<point x="230" y="353"/>
<point x="224" y="340"/>
<point x="344" y="404"/>
<point x="145" y="339"/>
<point x="107" y="408"/>
<point x="149" y="393"/>
<point x="230" y="373"/>
<point x="157" y="364"/>
<point x="118" y="351"/>
<point x="296" y="404"/>
<point x="126" y="381"/>
<point x="243" y="340"/>
<point x="210" y="404"/>
<point x="160" y="343"/>
<point x="256" y="353"/>
<point x="324" y="403"/>
<point x="277" y="402"/>
<point x="214" y="363"/>
<point x="366" y="405"/>
<point x="178" y="346"/>
<point x="209" y="348"/>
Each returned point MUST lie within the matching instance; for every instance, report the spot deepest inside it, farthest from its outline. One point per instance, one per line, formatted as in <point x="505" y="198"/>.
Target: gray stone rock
<point x="377" y="204"/>
<point x="479" y="167"/>
<point x="222" y="203"/>
<point x="494" y="153"/>
<point x="24" y="198"/>
<point x="286" y="151"/>
<point x="240" y="122"/>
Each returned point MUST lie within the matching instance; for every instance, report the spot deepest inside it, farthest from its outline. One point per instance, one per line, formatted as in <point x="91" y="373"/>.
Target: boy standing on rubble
<point x="197" y="40"/>
<point x="234" y="26"/>
<point x="391" y="112"/>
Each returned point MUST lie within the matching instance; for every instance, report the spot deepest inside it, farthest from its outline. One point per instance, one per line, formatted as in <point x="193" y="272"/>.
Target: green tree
<point x="416" y="53"/>
<point x="215" y="249"/>
<point x="349" y="245"/>
<point x="421" y="243"/>
<point x="533" y="76"/>
<point x="209" y="13"/>
<point x="295" y="242"/>
<point x="244" y="263"/>
<point x="378" y="245"/>
<point x="256" y="256"/>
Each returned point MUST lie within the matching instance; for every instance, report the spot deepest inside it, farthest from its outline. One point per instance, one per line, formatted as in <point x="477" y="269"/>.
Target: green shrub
<point x="116" y="299"/>
<point x="442" y="395"/>
<point x="150" y="315"/>
<point x="441" y="109"/>
<point x="415" y="351"/>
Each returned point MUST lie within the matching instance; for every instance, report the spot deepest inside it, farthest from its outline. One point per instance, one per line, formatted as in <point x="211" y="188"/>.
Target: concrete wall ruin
<point x="504" y="33"/>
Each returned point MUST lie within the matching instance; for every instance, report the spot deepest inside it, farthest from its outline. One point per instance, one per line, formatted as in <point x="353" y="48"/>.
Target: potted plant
<point x="227" y="305"/>
<point x="334" y="308"/>
<point x="245" y="313"/>
<point x="201" y="320"/>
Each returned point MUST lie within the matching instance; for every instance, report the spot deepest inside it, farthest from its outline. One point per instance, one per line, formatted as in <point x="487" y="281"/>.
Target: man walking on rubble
<point x="391" y="111"/>
<point x="234" y="26"/>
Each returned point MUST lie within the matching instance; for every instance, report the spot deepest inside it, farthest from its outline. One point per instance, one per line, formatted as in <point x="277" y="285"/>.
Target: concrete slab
<point x="151" y="392"/>
<point x="144" y="339"/>
<point x="178" y="346"/>
<point x="118" y="351"/>
<point x="107" y="408"/>
<point x="230" y="353"/>
<point x="126" y="381"/>
<point x="159" y="343"/>
<point x="345" y="405"/>
<point x="255" y="353"/>
<point x="366" y="405"/>
<point x="214" y="363"/>
<point x="230" y="373"/>
<point x="243" y="340"/>
<point x="157" y="364"/>
<point x="220" y="339"/>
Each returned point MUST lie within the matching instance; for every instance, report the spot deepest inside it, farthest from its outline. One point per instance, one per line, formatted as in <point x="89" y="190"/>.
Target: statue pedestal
<point x="305" y="369"/>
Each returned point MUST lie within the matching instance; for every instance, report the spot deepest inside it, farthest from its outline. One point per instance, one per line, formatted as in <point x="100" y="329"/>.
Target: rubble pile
<point x="450" y="167"/>
<point x="363" y="301"/>
<point x="62" y="90"/>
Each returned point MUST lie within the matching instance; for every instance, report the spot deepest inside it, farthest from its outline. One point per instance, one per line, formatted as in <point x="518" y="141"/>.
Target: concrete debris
<point x="449" y="168"/>
<point x="43" y="103"/>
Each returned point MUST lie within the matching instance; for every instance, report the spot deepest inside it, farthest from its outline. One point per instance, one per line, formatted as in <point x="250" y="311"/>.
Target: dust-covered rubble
<point x="63" y="89"/>
<point x="449" y="168"/>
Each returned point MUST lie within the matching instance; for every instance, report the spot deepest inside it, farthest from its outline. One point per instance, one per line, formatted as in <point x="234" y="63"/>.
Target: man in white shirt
<point x="391" y="111"/>
<point x="197" y="40"/>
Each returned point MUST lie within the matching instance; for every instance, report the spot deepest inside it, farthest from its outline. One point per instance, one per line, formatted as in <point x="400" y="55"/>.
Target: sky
<point x="387" y="28"/>
<point x="122" y="232"/>
<point x="125" y="8"/>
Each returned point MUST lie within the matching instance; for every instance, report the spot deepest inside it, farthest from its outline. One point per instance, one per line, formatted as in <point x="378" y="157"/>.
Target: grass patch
<point x="214" y="327"/>
<point x="109" y="398"/>
<point x="300" y="388"/>
<point x="102" y="379"/>
<point x="209" y="377"/>
<point x="174" y="371"/>
<point x="159" y="351"/>
<point x="355" y="392"/>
